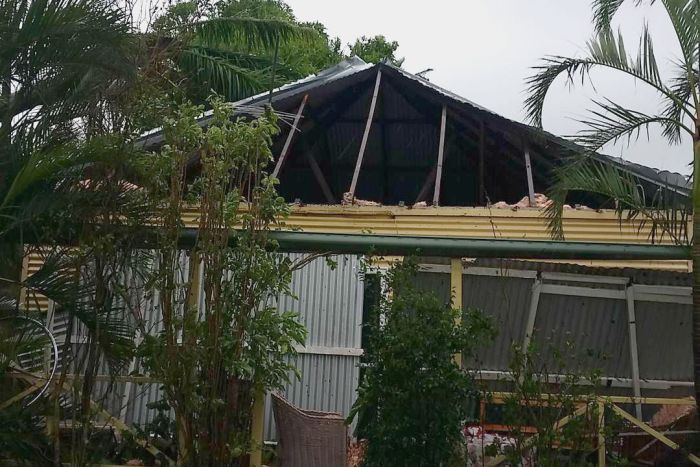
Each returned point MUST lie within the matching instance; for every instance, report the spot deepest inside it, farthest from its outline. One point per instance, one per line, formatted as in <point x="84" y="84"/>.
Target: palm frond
<point x="216" y="72"/>
<point x="611" y="122"/>
<point x="49" y="177"/>
<point x="62" y="55"/>
<point x="604" y="11"/>
<point x="684" y="18"/>
<point x="263" y="33"/>
<point x="58" y="280"/>
<point x="681" y="85"/>
<point x="42" y="166"/>
<point x="604" y="51"/>
<point x="253" y="62"/>
<point x="22" y="343"/>
<point x="667" y="212"/>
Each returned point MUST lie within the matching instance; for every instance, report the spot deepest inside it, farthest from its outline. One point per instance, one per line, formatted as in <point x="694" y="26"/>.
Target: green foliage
<point x="678" y="116"/>
<point x="242" y="47"/>
<point x="610" y="122"/>
<point x="413" y="400"/>
<point x="21" y="434"/>
<point x="228" y="48"/>
<point x="215" y="357"/>
<point x="302" y="56"/>
<point x="667" y="213"/>
<point x="22" y="440"/>
<point x="535" y="401"/>
<point x="376" y="49"/>
<point x="59" y="57"/>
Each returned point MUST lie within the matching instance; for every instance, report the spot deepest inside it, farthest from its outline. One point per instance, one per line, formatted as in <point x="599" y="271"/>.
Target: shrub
<point x="413" y="399"/>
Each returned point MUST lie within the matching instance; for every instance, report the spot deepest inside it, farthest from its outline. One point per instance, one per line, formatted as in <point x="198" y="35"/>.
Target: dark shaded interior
<point x="484" y="153"/>
<point x="482" y="161"/>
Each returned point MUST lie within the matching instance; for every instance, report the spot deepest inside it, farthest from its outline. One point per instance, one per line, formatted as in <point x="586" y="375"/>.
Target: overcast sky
<point x="483" y="50"/>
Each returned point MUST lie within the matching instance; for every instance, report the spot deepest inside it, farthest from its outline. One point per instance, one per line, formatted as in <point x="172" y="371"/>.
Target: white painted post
<point x="530" y="183"/>
<point x="532" y="313"/>
<point x="365" y="136"/>
<point x="634" y="350"/>
<point x="441" y="158"/>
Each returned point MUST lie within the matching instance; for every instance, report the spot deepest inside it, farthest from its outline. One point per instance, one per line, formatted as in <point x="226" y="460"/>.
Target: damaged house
<point x="373" y="149"/>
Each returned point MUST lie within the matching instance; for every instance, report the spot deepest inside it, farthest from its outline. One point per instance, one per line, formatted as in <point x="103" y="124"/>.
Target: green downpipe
<point x="451" y="247"/>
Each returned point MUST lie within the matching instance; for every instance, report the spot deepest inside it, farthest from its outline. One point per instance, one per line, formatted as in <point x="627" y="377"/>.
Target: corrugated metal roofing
<point x="343" y="69"/>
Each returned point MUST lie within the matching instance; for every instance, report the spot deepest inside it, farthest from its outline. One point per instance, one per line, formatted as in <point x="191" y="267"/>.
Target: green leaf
<point x="604" y="51"/>
<point x="611" y="122"/>
<point x="218" y="72"/>
<point x="667" y="212"/>
<point x="250" y="31"/>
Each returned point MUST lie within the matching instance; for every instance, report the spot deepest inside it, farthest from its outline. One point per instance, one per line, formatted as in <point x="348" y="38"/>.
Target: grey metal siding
<point x="595" y="329"/>
<point x="505" y="300"/>
<point x="664" y="336"/>
<point x="329" y="302"/>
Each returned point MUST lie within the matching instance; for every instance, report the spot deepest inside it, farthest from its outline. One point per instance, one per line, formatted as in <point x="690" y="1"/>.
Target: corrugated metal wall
<point x="663" y="331"/>
<point x="595" y="328"/>
<point x="329" y="302"/>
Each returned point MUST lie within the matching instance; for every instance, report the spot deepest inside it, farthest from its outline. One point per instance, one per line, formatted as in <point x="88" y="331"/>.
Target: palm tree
<point x="226" y="50"/>
<point x="610" y="122"/>
<point x="57" y="58"/>
<point x="68" y="69"/>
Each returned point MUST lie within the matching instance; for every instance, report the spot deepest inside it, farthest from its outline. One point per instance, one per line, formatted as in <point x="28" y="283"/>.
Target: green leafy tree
<point x="59" y="57"/>
<point x="413" y="400"/>
<point x="227" y="48"/>
<point x="68" y="69"/>
<point x="242" y="47"/>
<point x="60" y="60"/>
<point x="548" y="386"/>
<point x="677" y="115"/>
<point x="302" y="56"/>
<point x="376" y="49"/>
<point x="215" y="356"/>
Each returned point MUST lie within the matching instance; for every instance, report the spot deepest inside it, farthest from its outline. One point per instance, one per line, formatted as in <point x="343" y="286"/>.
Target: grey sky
<point x="483" y="50"/>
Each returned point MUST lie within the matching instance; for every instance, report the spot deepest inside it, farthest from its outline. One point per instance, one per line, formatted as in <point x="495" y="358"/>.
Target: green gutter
<point x="452" y="247"/>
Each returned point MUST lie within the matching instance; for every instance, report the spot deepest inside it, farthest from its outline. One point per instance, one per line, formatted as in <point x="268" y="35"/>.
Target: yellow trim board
<point x="530" y="224"/>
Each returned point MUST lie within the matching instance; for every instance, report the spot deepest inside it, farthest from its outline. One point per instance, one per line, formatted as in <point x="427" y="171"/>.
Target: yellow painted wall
<point x="529" y="224"/>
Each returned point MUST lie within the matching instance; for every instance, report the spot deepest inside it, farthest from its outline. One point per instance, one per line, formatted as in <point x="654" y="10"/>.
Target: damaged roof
<point x="405" y="145"/>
